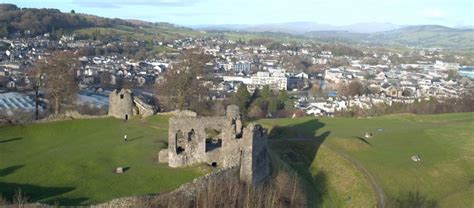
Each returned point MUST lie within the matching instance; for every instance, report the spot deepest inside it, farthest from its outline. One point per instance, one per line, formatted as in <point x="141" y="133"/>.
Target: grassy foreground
<point x="73" y="162"/>
<point x="445" y="143"/>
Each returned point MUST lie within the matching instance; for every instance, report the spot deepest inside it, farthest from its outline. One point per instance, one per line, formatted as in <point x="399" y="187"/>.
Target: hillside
<point x="28" y="21"/>
<point x="298" y="28"/>
<point x="433" y="36"/>
<point x="443" y="177"/>
<point x="32" y="22"/>
<point x="428" y="36"/>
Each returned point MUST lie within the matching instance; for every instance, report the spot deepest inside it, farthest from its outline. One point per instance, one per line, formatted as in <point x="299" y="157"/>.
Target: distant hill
<point x="428" y="36"/>
<point x="461" y="38"/>
<point x="14" y="20"/>
<point x="30" y="21"/>
<point x="423" y="36"/>
<point x="302" y="27"/>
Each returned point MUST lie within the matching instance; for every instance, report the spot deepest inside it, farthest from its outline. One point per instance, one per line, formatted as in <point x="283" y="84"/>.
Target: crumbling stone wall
<point x="220" y="141"/>
<point x="143" y="108"/>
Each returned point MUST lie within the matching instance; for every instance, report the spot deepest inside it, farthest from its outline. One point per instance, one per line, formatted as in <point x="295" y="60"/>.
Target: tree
<point x="73" y="12"/>
<point x="105" y="79"/>
<point x="242" y="98"/>
<point x="60" y="83"/>
<point x="262" y="99"/>
<point x="406" y="93"/>
<point x="266" y="93"/>
<point x="285" y="102"/>
<point x="353" y="88"/>
<point x="181" y="86"/>
<point x="4" y="30"/>
<point x="273" y="105"/>
<point x="452" y="74"/>
<point x="35" y="78"/>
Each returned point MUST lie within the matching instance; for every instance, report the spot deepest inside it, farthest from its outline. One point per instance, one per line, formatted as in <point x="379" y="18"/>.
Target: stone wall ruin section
<point x="220" y="141"/>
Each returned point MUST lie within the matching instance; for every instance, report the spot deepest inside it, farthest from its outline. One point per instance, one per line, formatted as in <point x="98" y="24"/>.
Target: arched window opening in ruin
<point x="191" y="135"/>
<point x="238" y="129"/>
<point x="233" y="125"/>
<point x="214" y="164"/>
<point x="213" y="139"/>
<point x="121" y="96"/>
<point x="180" y="142"/>
<point x="126" y="117"/>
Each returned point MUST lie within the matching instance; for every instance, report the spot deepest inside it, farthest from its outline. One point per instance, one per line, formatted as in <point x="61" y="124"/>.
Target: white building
<point x="275" y="79"/>
<point x="441" y="66"/>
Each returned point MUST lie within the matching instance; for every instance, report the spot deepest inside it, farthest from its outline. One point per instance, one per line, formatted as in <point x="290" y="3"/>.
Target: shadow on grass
<point x="33" y="193"/>
<point x="413" y="199"/>
<point x="136" y="138"/>
<point x="304" y="130"/>
<point x="363" y="140"/>
<point x="164" y="143"/>
<point x="298" y="145"/>
<point x="64" y="201"/>
<point x="11" y="140"/>
<point x="9" y="170"/>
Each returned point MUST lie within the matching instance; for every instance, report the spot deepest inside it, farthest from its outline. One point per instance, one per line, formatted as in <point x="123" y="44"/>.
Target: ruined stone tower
<point x="123" y="105"/>
<point x="220" y="141"/>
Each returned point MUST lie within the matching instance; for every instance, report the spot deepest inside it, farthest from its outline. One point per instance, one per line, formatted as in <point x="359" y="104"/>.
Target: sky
<point x="217" y="12"/>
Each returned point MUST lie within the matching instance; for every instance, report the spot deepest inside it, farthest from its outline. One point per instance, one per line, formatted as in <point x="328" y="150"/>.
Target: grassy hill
<point x="444" y="142"/>
<point x="72" y="162"/>
<point x="428" y="36"/>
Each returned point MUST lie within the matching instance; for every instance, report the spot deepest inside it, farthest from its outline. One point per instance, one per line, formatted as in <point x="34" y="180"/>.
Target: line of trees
<point x="434" y="106"/>
<point x="40" y="21"/>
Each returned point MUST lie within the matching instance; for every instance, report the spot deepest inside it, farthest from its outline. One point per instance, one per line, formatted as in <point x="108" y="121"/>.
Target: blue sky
<point x="335" y="12"/>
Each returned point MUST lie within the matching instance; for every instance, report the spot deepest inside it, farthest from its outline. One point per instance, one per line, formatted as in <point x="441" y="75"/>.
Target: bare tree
<point x="20" y="199"/>
<point x="181" y="86"/>
<point x="105" y="79"/>
<point x="353" y="88"/>
<point x="60" y="83"/>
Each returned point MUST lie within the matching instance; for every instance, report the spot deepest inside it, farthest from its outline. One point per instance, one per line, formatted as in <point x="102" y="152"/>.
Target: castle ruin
<point x="221" y="141"/>
<point x="123" y="105"/>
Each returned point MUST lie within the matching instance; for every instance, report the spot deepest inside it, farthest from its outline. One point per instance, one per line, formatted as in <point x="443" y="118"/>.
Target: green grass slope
<point x="152" y="32"/>
<point x="73" y="162"/>
<point x="332" y="181"/>
<point x="445" y="176"/>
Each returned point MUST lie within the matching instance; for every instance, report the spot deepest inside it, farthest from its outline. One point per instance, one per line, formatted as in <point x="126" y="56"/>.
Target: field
<point x="73" y="162"/>
<point x="445" y="144"/>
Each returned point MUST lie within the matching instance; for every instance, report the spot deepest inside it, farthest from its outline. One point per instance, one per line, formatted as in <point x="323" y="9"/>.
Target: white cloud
<point x="434" y="13"/>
